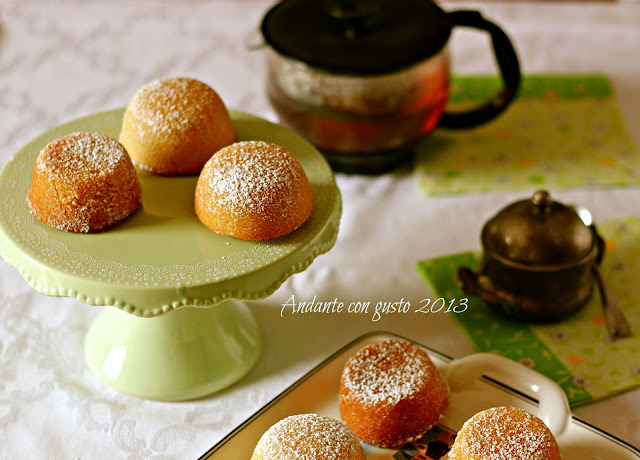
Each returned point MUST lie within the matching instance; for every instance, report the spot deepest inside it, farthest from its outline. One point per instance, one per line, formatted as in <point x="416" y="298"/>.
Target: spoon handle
<point x="617" y="324"/>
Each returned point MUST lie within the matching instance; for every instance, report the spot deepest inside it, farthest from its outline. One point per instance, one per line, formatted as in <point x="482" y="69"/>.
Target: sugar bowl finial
<point x="542" y="201"/>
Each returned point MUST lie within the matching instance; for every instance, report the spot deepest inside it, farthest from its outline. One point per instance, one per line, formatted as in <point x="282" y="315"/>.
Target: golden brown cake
<point x="391" y="393"/>
<point x="308" y="437"/>
<point x="83" y="182"/>
<point x="253" y="190"/>
<point x="174" y="125"/>
<point x="504" y="433"/>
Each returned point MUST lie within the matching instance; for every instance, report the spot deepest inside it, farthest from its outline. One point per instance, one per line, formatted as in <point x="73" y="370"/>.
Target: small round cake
<point x="83" y="182"/>
<point x="173" y="125"/>
<point x="308" y="437"/>
<point x="504" y="433"/>
<point x="391" y="393"/>
<point x="253" y="190"/>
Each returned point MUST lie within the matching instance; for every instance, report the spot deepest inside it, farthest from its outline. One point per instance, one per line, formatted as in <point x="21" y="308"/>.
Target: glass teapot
<point x="364" y="80"/>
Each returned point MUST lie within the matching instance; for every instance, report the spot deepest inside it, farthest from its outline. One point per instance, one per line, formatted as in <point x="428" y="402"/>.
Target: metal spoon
<point x="617" y="324"/>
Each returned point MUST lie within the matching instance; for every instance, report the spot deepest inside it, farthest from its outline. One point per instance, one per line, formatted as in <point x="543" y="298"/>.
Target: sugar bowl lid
<point x="538" y="232"/>
<point x="357" y="37"/>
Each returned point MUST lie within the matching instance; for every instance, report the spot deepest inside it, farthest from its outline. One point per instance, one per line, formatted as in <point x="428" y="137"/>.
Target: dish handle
<point x="553" y="407"/>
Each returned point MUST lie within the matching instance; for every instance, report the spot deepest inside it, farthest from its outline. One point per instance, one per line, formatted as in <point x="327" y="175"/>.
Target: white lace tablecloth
<point x="62" y="60"/>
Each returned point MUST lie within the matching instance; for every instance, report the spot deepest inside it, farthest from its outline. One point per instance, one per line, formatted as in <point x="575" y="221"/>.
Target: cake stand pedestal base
<point x="135" y="346"/>
<point x="185" y="354"/>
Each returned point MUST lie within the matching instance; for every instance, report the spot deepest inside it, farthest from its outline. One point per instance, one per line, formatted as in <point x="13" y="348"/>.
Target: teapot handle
<point x="509" y="72"/>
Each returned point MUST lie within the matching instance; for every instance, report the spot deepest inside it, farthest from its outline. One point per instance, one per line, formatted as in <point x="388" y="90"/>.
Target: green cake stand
<point x="177" y="326"/>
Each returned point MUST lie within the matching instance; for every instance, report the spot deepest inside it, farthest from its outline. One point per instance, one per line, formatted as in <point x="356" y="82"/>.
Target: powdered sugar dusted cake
<point x="174" y="125"/>
<point x="253" y="190"/>
<point x="83" y="182"/>
<point x="308" y="437"/>
<point x="504" y="433"/>
<point x="391" y="393"/>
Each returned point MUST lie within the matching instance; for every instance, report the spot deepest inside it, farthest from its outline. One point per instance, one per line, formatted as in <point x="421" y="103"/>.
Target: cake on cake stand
<point x="176" y="326"/>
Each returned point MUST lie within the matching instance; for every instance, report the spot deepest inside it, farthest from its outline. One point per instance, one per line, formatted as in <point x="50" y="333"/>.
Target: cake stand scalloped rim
<point x="160" y="310"/>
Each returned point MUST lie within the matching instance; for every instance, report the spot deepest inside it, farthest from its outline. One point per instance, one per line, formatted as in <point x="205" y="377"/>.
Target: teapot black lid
<point x="357" y="37"/>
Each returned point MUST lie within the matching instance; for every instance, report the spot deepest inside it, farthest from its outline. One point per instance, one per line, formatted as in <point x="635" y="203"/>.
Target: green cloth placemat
<point x="560" y="132"/>
<point x="575" y="353"/>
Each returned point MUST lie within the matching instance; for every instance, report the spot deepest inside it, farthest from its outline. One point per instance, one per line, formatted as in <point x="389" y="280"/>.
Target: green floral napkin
<point x="575" y="353"/>
<point x="560" y="132"/>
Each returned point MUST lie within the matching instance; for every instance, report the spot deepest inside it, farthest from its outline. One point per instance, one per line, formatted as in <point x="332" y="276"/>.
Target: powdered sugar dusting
<point x="504" y="433"/>
<point x="386" y="371"/>
<point x="167" y="105"/>
<point x="254" y="190"/>
<point x="255" y="173"/>
<point x="172" y="126"/>
<point x="82" y="182"/>
<point x="308" y="437"/>
<point x="81" y="153"/>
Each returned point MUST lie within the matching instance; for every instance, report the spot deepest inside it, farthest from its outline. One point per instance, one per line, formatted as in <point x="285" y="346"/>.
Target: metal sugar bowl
<point x="540" y="264"/>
